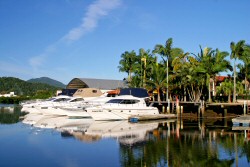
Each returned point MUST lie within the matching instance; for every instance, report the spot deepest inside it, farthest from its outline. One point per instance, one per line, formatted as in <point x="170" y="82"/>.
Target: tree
<point x="157" y="80"/>
<point x="127" y="62"/>
<point x="246" y="59"/>
<point x="226" y="88"/>
<point x="180" y="72"/>
<point x="213" y="62"/>
<point x="237" y="50"/>
<point x="206" y="60"/>
<point x="167" y="54"/>
<point x="146" y="60"/>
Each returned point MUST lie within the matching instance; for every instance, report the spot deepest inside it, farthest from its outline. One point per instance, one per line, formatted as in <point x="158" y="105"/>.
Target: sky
<point x="66" y="39"/>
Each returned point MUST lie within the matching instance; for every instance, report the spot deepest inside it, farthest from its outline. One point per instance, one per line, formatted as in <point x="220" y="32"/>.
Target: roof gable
<point x="105" y="84"/>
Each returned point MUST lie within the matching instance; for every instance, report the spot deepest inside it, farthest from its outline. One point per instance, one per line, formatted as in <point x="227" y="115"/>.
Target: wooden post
<point x="202" y="108"/>
<point x="245" y="107"/>
<point x="168" y="108"/>
<point x="199" y="110"/>
<point x="225" y="112"/>
<point x="225" y="122"/>
<point x="178" y="109"/>
<point x="181" y="111"/>
<point x="163" y="109"/>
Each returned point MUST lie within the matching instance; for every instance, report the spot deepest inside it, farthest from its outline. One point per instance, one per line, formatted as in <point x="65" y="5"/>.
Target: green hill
<point x="48" y="81"/>
<point x="21" y="87"/>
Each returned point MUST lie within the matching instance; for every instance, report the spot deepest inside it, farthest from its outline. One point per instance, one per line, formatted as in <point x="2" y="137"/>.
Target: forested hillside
<point x="21" y="87"/>
<point x="48" y="81"/>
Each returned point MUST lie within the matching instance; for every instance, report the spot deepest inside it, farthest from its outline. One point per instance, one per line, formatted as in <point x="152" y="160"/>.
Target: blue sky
<point x="64" y="39"/>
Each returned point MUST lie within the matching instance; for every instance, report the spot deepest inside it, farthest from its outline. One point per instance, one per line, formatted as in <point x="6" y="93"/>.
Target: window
<point x="115" y="101"/>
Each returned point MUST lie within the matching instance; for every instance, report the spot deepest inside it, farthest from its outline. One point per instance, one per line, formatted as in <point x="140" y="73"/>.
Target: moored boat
<point x="120" y="108"/>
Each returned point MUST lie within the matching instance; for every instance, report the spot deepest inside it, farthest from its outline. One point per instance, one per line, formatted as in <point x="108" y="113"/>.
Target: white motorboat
<point x="33" y="107"/>
<point x="121" y="107"/>
<point x="73" y="108"/>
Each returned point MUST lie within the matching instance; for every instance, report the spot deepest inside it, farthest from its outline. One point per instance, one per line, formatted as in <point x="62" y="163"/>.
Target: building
<point x="102" y="84"/>
<point x="11" y="94"/>
<point x="217" y="82"/>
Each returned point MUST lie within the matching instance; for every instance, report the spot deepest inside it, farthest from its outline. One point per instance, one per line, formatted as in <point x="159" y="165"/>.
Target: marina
<point x="109" y="83"/>
<point x="85" y="142"/>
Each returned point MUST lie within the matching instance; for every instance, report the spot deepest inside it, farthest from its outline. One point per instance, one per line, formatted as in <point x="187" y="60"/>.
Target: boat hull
<point x="119" y="114"/>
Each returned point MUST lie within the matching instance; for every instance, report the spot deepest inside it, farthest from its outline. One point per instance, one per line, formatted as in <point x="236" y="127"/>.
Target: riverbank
<point x="12" y="100"/>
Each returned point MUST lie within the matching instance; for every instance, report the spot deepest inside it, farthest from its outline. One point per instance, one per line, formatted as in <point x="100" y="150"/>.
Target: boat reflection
<point x="124" y="132"/>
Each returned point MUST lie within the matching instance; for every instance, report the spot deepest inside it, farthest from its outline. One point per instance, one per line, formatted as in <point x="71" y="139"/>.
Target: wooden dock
<point x="243" y="120"/>
<point x="151" y="117"/>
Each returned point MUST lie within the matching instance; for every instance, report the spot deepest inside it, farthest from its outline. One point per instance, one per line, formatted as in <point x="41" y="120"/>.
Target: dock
<point x="137" y="118"/>
<point x="243" y="120"/>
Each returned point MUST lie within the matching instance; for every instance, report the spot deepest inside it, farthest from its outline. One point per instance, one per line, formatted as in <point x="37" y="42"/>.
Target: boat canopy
<point x="88" y="92"/>
<point x="137" y="92"/>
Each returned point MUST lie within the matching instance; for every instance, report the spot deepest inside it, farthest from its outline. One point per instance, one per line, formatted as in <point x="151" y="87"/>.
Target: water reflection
<point x="124" y="132"/>
<point x="190" y="142"/>
<point x="9" y="114"/>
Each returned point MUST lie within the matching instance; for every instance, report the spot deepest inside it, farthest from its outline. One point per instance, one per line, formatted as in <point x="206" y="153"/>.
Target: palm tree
<point x="217" y="64"/>
<point x="167" y="53"/>
<point x="146" y="60"/>
<point x="180" y="71"/>
<point x="205" y="59"/>
<point x="157" y="80"/>
<point x="226" y="87"/>
<point x="211" y="63"/>
<point x="237" y="51"/>
<point x="246" y="59"/>
<point x="127" y="63"/>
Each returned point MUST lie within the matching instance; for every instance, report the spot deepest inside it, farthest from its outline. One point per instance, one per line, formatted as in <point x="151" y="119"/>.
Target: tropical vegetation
<point x="171" y="72"/>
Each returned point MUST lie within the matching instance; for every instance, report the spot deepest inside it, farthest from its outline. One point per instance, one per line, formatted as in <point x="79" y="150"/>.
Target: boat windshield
<point x="51" y="99"/>
<point x="76" y="100"/>
<point x="62" y="99"/>
<point x="123" y="101"/>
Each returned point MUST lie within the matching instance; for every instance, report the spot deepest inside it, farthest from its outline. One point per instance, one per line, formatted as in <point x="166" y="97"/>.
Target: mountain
<point x="48" y="81"/>
<point x="21" y="87"/>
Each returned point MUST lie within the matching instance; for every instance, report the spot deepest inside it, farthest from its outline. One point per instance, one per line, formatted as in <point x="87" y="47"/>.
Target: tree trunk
<point x="229" y="98"/>
<point x="158" y="96"/>
<point x="185" y="94"/>
<point x="234" y="95"/>
<point x="209" y="89"/>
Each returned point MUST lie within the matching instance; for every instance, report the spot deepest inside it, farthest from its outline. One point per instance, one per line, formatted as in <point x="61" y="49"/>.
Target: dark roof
<point x="106" y="84"/>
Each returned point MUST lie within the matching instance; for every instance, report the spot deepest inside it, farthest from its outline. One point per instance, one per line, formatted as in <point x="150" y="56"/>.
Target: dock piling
<point x="245" y="107"/>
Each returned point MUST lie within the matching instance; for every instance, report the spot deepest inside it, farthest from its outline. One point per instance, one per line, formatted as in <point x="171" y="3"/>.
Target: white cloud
<point x="95" y="11"/>
<point x="37" y="61"/>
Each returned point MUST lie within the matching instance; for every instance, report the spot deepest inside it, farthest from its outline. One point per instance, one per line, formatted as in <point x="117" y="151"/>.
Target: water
<point x="119" y="143"/>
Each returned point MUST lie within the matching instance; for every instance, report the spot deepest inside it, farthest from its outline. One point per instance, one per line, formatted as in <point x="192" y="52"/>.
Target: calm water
<point x="83" y="142"/>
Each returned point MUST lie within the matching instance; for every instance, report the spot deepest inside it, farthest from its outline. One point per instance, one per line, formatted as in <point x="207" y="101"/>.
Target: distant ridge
<point x="21" y="87"/>
<point x="48" y="81"/>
